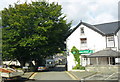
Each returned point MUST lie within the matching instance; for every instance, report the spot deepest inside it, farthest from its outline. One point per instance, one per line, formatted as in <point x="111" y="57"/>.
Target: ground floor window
<point x="103" y="61"/>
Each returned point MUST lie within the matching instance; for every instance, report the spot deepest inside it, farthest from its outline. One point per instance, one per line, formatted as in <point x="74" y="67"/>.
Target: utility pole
<point x="18" y="1"/>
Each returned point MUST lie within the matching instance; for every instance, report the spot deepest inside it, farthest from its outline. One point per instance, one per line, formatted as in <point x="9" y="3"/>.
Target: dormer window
<point x="82" y="30"/>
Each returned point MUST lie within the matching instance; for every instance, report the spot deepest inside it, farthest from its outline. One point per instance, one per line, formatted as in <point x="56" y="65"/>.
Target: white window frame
<point x="110" y="43"/>
<point x="110" y="38"/>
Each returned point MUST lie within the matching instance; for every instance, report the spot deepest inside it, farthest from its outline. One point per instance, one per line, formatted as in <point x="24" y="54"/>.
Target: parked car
<point x="10" y="74"/>
<point x="41" y="68"/>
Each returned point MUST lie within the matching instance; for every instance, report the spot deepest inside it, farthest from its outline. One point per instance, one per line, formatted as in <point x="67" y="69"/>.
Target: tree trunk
<point x="39" y="62"/>
<point x="22" y="63"/>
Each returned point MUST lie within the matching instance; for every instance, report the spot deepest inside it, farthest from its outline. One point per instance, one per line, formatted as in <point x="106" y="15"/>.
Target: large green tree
<point x="0" y="18"/>
<point x="33" y="31"/>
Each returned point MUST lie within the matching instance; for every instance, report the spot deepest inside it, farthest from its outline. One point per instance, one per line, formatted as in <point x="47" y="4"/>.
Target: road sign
<point x="85" y="51"/>
<point x="73" y="52"/>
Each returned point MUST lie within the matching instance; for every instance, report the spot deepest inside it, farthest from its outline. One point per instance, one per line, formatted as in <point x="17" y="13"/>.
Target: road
<point x="57" y="73"/>
<point x="52" y="76"/>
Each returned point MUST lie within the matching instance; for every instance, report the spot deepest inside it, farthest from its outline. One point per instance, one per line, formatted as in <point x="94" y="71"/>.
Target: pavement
<point x="85" y="75"/>
<point x="79" y="75"/>
<point x="104" y="76"/>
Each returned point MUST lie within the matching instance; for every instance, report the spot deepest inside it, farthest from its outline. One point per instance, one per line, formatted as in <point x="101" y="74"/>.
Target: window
<point x="110" y="38"/>
<point x="83" y="42"/>
<point x="110" y="41"/>
<point x="82" y="30"/>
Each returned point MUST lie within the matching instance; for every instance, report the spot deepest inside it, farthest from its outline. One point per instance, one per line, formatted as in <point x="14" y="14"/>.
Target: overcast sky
<point x="89" y="11"/>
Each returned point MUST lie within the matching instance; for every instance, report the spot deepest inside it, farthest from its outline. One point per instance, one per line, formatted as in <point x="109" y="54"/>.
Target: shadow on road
<point x="57" y="68"/>
<point x="20" y="80"/>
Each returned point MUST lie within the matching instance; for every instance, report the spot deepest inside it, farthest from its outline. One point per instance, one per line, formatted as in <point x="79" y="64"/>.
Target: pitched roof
<point x="108" y="28"/>
<point x="105" y="53"/>
<point x="103" y="29"/>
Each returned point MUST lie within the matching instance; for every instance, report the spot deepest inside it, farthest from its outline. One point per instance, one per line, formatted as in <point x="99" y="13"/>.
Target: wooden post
<point x="109" y="60"/>
<point x="85" y="61"/>
<point x="97" y="61"/>
<point x="89" y="61"/>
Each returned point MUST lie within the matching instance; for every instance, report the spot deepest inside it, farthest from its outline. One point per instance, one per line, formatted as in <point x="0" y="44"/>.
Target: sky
<point x="89" y="11"/>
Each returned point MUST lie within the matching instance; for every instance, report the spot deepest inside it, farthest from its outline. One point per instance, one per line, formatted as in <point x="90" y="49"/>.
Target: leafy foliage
<point x="76" y="54"/>
<point x="0" y="18"/>
<point x="33" y="31"/>
<point x="78" y="66"/>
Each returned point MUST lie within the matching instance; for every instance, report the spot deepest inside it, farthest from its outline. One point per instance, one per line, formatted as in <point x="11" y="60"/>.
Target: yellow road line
<point x="33" y="76"/>
<point x="72" y="76"/>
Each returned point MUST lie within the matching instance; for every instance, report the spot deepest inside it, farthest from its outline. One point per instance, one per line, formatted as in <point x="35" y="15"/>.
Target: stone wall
<point x="107" y="68"/>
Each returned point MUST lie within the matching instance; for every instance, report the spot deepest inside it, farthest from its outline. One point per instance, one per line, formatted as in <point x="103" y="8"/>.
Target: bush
<point x="79" y="67"/>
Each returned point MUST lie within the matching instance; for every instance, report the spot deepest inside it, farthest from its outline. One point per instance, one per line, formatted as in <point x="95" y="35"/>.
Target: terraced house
<point x="97" y="44"/>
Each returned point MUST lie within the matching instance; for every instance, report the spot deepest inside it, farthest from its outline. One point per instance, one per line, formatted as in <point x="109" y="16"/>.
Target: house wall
<point x="113" y="44"/>
<point x="95" y="42"/>
<point x="71" y="41"/>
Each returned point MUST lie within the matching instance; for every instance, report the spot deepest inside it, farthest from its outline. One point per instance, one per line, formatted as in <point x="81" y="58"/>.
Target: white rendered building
<point x="90" y="39"/>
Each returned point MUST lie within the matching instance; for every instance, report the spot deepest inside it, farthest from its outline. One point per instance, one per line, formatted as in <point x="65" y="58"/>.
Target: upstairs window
<point x="83" y="42"/>
<point x="110" y="41"/>
<point x="110" y="38"/>
<point x="82" y="30"/>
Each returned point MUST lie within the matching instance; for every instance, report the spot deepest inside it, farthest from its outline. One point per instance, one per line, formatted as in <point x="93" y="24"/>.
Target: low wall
<point x="107" y="68"/>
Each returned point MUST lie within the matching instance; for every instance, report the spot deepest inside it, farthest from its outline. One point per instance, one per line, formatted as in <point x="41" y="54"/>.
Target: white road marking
<point x="109" y="76"/>
<point x="91" y="76"/>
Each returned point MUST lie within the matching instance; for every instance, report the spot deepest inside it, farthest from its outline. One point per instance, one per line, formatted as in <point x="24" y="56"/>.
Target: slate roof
<point x="105" y="53"/>
<point x="108" y="28"/>
<point x="103" y="29"/>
